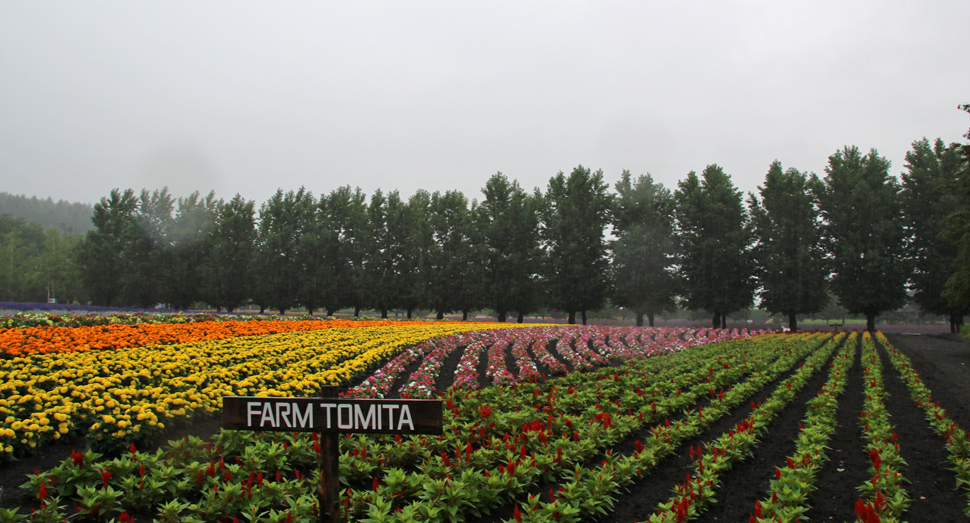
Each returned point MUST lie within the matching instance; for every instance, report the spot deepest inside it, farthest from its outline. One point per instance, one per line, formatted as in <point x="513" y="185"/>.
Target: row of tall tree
<point x="858" y="232"/>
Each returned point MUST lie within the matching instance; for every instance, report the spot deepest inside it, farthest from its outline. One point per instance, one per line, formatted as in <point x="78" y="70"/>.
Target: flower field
<point x="547" y="423"/>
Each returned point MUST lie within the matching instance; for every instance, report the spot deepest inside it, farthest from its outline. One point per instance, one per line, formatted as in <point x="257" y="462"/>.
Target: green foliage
<point x="66" y="217"/>
<point x="36" y="264"/>
<point x="227" y="269"/>
<point x="788" y="253"/>
<point x="283" y="220"/>
<point x="102" y="254"/>
<point x="191" y="238"/>
<point x="929" y="168"/>
<point x="455" y="268"/>
<point x="644" y="251"/>
<point x="864" y="233"/>
<point x="957" y="230"/>
<point x="575" y="215"/>
<point x="508" y="220"/>
<point x="715" y="239"/>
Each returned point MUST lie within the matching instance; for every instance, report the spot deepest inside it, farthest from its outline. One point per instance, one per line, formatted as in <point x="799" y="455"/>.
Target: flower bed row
<point x="119" y="396"/>
<point x="15" y="342"/>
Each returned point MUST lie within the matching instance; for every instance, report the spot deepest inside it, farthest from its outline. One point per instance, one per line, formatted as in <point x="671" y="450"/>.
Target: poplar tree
<point x="957" y="230"/>
<point x="925" y="207"/>
<point x="789" y="255"/>
<point x="228" y="268"/>
<point x="715" y="238"/>
<point x="864" y="233"/>
<point x="509" y="221"/>
<point x="191" y="242"/>
<point x="101" y="255"/>
<point x="576" y="213"/>
<point x="644" y="251"/>
<point x="449" y="260"/>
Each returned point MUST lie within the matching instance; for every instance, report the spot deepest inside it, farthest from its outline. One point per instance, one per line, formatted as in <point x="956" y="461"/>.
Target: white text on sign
<point x="377" y="416"/>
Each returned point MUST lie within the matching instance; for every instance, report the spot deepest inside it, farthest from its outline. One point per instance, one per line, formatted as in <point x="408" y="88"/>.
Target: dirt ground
<point x="943" y="361"/>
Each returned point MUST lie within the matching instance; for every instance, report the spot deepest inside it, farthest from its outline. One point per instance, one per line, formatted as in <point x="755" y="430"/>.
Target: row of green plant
<point x="589" y="491"/>
<point x="883" y="497"/>
<point x="794" y="483"/>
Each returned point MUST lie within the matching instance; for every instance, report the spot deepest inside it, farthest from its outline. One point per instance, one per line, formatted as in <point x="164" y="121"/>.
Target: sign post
<point x="331" y="416"/>
<point x="328" y="491"/>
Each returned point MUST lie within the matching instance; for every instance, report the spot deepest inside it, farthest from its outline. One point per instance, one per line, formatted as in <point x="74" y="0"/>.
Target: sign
<point x="332" y="415"/>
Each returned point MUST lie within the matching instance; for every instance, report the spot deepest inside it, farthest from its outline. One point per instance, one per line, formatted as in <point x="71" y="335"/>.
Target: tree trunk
<point x="383" y="314"/>
<point x="262" y="310"/>
<point x="502" y="316"/>
<point x="792" y="324"/>
<point x="870" y="322"/>
<point x="464" y="315"/>
<point x="440" y="316"/>
<point x="584" y="317"/>
<point x="639" y="319"/>
<point x="717" y="320"/>
<point x="572" y="318"/>
<point x="650" y="318"/>
<point x="282" y="311"/>
<point x="521" y="318"/>
<point x="724" y="321"/>
<point x="330" y="313"/>
<point x="357" y="312"/>
<point x="409" y="314"/>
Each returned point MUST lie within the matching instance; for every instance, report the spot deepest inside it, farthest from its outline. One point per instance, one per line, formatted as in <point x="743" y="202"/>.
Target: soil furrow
<point x="641" y="498"/>
<point x="750" y="479"/>
<point x="848" y="463"/>
<point x="931" y="484"/>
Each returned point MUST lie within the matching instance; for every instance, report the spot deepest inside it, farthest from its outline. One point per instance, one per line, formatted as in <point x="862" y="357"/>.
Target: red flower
<point x="517" y="513"/>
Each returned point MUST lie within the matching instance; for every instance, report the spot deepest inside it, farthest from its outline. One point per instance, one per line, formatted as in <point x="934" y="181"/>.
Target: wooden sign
<point x="332" y="415"/>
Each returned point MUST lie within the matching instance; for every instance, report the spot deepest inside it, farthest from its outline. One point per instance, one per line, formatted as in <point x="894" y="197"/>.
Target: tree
<point x="925" y="207"/>
<point x="278" y="263"/>
<point x="191" y="238"/>
<point x="788" y="253"/>
<point x="644" y="251"/>
<point x="102" y="253"/>
<point x="715" y="239"/>
<point x="864" y="233"/>
<point x="957" y="230"/>
<point x="413" y="226"/>
<point x="21" y="250"/>
<point x="227" y="270"/>
<point x="346" y="216"/>
<point x="576" y="212"/>
<point x="386" y="216"/>
<point x="448" y="220"/>
<point x="471" y="256"/>
<point x="148" y="256"/>
<point x="508" y="221"/>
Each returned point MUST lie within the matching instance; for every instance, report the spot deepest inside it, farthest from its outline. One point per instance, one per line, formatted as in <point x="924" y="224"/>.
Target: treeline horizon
<point x="873" y="241"/>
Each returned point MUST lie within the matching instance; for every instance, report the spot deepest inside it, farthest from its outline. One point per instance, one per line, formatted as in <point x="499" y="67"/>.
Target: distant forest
<point x="69" y="217"/>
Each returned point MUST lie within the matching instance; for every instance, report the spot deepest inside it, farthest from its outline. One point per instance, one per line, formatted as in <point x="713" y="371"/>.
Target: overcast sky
<point x="250" y="97"/>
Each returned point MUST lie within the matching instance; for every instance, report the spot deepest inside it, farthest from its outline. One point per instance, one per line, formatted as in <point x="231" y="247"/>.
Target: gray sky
<point x="251" y="97"/>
